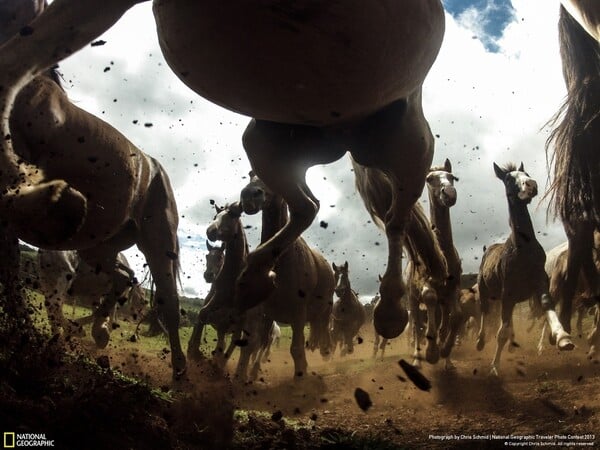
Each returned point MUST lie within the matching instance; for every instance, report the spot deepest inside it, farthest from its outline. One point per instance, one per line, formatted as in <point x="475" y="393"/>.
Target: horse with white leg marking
<point x="572" y="146"/>
<point x="97" y="192"/>
<point x="584" y="297"/>
<point x="348" y="314"/>
<point x="304" y="280"/>
<point x="513" y="272"/>
<point x="305" y="113"/>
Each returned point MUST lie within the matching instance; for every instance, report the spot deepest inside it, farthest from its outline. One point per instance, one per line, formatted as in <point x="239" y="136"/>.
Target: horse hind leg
<point x="594" y="336"/>
<point x="432" y="350"/>
<point x="502" y="336"/>
<point x="297" y="350"/>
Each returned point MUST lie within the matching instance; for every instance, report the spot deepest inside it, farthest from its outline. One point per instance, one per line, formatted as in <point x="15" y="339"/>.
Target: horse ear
<point x="380" y="278"/>
<point x="335" y="268"/>
<point x="447" y="165"/>
<point x="346" y="265"/>
<point x="251" y="174"/>
<point x="235" y="209"/>
<point x="521" y="168"/>
<point x="500" y="173"/>
<point x="219" y="208"/>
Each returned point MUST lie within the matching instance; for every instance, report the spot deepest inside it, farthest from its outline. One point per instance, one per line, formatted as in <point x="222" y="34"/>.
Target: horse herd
<point x="70" y="181"/>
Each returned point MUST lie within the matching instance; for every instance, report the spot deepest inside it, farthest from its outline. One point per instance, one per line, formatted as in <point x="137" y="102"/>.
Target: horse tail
<point x="575" y="191"/>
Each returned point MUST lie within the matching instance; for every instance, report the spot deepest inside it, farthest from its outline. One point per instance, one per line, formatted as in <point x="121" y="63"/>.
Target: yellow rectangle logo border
<point x="6" y="435"/>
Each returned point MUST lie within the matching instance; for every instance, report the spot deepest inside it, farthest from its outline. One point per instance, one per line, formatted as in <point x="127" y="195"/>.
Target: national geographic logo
<point x="17" y="440"/>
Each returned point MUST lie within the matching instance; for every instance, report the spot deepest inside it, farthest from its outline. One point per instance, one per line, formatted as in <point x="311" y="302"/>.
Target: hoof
<point x="563" y="341"/>
<point x="417" y="362"/>
<point x="100" y="333"/>
<point x="390" y="321"/>
<point x="592" y="353"/>
<point x="494" y="372"/>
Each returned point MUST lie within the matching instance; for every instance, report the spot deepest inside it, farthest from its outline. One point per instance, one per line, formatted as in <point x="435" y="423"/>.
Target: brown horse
<point x="251" y="329"/>
<point x="304" y="281"/>
<point x="63" y="276"/>
<point x="348" y="314"/>
<point x="442" y="196"/>
<point x="584" y="297"/>
<point x="575" y="190"/>
<point x="113" y="195"/>
<point x="214" y="262"/>
<point x="319" y="79"/>
<point x="513" y="272"/>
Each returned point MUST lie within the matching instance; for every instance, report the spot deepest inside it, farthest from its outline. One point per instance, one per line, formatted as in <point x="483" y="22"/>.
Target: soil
<point x="548" y="399"/>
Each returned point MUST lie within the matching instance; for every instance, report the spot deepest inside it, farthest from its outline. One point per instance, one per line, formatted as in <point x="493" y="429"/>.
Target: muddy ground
<point x="549" y="399"/>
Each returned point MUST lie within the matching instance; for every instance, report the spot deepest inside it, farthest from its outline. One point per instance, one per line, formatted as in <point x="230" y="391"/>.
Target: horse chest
<point x="306" y="62"/>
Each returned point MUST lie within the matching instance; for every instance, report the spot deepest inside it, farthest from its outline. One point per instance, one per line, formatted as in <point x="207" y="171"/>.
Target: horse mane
<point x="575" y="191"/>
<point x="509" y="167"/>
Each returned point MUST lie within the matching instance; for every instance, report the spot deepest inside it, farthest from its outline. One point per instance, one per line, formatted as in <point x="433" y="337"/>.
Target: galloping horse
<point x="318" y="78"/>
<point x="214" y="262"/>
<point x="513" y="272"/>
<point x="442" y="196"/>
<point x="575" y="190"/>
<point x="347" y="315"/>
<point x="304" y="281"/>
<point x="113" y="195"/>
<point x="63" y="275"/>
<point x="557" y="270"/>
<point x="252" y="327"/>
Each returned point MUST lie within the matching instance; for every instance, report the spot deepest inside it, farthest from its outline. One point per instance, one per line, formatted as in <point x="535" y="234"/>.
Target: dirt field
<point x="552" y="394"/>
<point x="542" y="400"/>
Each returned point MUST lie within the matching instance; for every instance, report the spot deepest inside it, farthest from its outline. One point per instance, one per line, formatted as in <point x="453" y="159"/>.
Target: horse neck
<point x="274" y="217"/>
<point x="520" y="224"/>
<point x="236" y="251"/>
<point x="442" y="226"/>
<point x="422" y="245"/>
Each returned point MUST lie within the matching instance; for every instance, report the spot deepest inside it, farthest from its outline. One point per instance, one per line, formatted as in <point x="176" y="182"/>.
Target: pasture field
<point x="550" y="399"/>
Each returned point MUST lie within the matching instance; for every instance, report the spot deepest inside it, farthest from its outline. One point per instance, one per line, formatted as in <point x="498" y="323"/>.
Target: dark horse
<point x="111" y="194"/>
<point x="513" y="272"/>
<point x="575" y="190"/>
<point x="318" y="78"/>
<point x="252" y="329"/>
<point x="304" y="282"/>
<point x="347" y="315"/>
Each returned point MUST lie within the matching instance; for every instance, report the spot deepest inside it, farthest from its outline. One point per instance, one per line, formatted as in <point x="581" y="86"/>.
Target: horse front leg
<point x="280" y="155"/>
<point x="297" y="350"/>
<point x="432" y="351"/>
<point x="503" y="334"/>
<point x="66" y="26"/>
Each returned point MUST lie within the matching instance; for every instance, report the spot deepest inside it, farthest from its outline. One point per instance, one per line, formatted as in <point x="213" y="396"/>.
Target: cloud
<point x="487" y="99"/>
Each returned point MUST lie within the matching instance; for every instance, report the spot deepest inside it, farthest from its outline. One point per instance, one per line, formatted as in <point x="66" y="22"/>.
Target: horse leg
<point x="396" y="140"/>
<point x="558" y="334"/>
<point x="579" y="324"/>
<point x="193" y="349"/>
<point x="23" y="57"/>
<point x="280" y="155"/>
<point x="594" y="336"/>
<point x="484" y="308"/>
<point x="297" y="349"/>
<point x="432" y="351"/>
<point x="376" y="345"/>
<point x="455" y="322"/>
<point x="540" y="346"/>
<point x="503" y="334"/>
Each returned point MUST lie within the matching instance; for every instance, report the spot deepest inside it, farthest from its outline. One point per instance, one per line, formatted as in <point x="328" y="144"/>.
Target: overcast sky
<point x="496" y="82"/>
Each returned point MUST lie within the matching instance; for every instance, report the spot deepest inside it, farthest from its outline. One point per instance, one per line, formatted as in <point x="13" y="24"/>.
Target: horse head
<point x="255" y="195"/>
<point x="226" y="223"/>
<point x="440" y="183"/>
<point x="342" y="282"/>
<point x="214" y="261"/>
<point x="519" y="185"/>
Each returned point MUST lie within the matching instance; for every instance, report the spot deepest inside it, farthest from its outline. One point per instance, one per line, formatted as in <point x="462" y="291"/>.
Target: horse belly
<point x="307" y="62"/>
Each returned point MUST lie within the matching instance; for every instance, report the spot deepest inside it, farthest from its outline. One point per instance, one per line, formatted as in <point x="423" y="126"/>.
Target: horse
<point x="251" y="330"/>
<point x="303" y="279"/>
<point x="113" y="195"/>
<point x="471" y="310"/>
<point x="557" y="270"/>
<point x="223" y="265"/>
<point x="318" y="79"/>
<point x="572" y="144"/>
<point x="348" y="314"/>
<point x="442" y="196"/>
<point x="513" y="271"/>
<point x="63" y="274"/>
